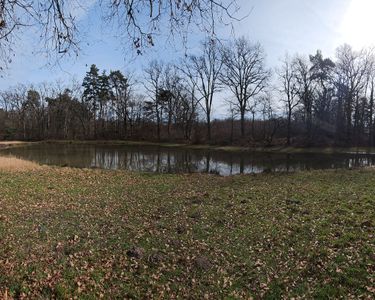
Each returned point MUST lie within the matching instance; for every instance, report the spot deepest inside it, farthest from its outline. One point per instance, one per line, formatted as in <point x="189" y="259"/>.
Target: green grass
<point x="66" y="232"/>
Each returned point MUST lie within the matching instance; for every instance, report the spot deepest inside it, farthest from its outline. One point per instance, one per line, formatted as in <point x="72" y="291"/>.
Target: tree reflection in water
<point x="178" y="160"/>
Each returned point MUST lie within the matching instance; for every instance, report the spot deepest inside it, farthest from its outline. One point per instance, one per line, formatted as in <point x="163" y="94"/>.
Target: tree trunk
<point x="289" y="127"/>
<point x="125" y="126"/>
<point x="370" y="141"/>
<point x="231" y="129"/>
<point x="349" y="120"/>
<point x="242" y="122"/>
<point x="169" y="124"/>
<point x="208" y="127"/>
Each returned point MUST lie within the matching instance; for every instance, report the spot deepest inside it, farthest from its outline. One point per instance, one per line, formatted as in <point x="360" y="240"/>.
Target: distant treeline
<point x="305" y="101"/>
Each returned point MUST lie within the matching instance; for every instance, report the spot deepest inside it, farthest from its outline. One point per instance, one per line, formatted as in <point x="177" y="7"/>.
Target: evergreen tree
<point x="104" y="96"/>
<point x="120" y="90"/>
<point x="90" y="94"/>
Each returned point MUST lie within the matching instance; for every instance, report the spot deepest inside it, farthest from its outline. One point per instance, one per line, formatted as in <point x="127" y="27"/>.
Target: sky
<point x="281" y="26"/>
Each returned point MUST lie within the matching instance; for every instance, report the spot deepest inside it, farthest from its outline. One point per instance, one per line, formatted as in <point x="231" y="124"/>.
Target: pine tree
<point x="91" y="93"/>
<point x="104" y="96"/>
<point x="120" y="89"/>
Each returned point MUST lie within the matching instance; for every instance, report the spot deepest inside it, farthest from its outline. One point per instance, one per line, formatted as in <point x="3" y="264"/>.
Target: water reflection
<point x="176" y="160"/>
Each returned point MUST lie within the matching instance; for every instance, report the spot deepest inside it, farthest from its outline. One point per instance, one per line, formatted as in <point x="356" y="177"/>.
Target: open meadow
<point x="90" y="234"/>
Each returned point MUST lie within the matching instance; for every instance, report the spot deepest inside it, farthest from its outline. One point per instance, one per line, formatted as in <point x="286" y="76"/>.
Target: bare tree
<point x="232" y="116"/>
<point x="205" y="70"/>
<point x="306" y="85"/>
<point x="371" y="87"/>
<point x="171" y="94"/>
<point x="17" y="97"/>
<point x="189" y="105"/>
<point x="352" y="69"/>
<point x="289" y="91"/>
<point x="138" y="21"/>
<point x="154" y="84"/>
<point x="121" y="91"/>
<point x="53" y="19"/>
<point x="189" y="100"/>
<point x="141" y="20"/>
<point x="244" y="73"/>
<point x="270" y="120"/>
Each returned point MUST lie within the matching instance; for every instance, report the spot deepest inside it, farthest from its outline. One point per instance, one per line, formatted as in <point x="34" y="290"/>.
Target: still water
<point x="177" y="160"/>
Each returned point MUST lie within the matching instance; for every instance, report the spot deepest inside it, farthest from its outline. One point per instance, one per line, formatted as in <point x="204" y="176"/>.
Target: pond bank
<point x="9" y="144"/>
<point x="93" y="233"/>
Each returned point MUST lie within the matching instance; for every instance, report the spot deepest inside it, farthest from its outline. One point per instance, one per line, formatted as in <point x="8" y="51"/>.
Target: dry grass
<point x="8" y="163"/>
<point x="11" y="142"/>
<point x="5" y="144"/>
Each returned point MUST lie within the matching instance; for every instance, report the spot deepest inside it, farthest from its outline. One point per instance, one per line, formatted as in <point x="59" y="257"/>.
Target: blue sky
<point x="294" y="26"/>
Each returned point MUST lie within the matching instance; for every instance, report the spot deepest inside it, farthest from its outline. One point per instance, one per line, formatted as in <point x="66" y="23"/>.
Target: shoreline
<point x="13" y="144"/>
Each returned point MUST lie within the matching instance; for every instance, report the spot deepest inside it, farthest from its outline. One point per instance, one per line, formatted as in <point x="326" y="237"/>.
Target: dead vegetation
<point x="5" y="144"/>
<point x="9" y="163"/>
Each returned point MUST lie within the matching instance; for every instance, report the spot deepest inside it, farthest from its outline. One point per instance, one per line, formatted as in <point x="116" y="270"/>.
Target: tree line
<point x="305" y="101"/>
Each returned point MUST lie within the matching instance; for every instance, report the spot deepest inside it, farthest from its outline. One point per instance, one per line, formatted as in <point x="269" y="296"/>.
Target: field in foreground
<point x="90" y="233"/>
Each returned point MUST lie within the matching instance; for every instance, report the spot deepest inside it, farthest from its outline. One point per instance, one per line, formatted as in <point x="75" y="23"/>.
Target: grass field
<point x="112" y="234"/>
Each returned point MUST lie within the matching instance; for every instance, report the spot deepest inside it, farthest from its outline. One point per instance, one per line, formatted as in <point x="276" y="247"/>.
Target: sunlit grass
<point x="113" y="234"/>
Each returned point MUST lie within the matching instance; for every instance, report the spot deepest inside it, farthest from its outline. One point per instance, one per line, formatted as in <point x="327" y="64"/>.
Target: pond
<point x="147" y="158"/>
